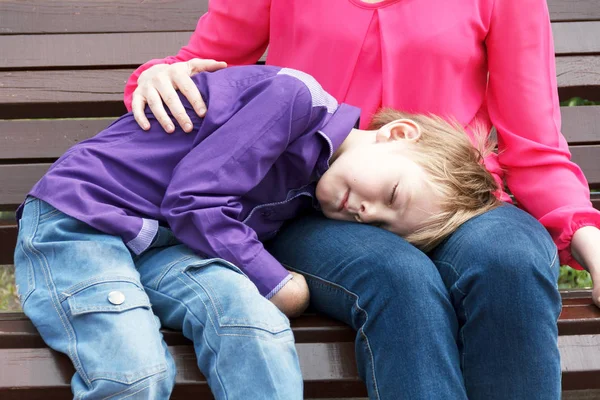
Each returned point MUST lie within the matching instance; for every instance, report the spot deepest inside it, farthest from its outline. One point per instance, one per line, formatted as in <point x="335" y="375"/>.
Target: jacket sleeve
<point x="233" y="31"/>
<point x="202" y="203"/>
<point x="524" y="108"/>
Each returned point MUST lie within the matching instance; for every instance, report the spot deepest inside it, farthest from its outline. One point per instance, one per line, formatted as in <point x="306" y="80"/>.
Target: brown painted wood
<point x="579" y="124"/>
<point x="574" y="10"/>
<point x="85" y="16"/>
<point x="135" y="48"/>
<point x="578" y="76"/>
<point x="588" y="159"/>
<point x="16" y="180"/>
<point x="576" y="37"/>
<point x="580" y="361"/>
<point x="99" y="93"/>
<point x="48" y="139"/>
<point x="16" y="331"/>
<point x="88" y="50"/>
<point x="579" y="316"/>
<point x="328" y="370"/>
<point x="77" y="16"/>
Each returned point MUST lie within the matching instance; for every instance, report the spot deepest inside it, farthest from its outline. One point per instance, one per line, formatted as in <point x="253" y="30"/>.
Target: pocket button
<point x="116" y="297"/>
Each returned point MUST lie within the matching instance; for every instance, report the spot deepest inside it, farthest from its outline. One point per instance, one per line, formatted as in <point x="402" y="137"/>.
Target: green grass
<point x="8" y="291"/>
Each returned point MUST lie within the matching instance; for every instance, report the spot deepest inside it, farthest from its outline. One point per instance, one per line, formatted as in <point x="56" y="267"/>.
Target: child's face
<point x="378" y="183"/>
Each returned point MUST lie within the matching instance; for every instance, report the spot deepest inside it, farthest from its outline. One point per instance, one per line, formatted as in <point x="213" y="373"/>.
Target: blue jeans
<point x="475" y="318"/>
<point x="102" y="306"/>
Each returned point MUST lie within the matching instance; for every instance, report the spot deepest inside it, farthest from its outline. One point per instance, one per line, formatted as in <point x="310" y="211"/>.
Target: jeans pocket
<point x="233" y="299"/>
<point x="116" y="334"/>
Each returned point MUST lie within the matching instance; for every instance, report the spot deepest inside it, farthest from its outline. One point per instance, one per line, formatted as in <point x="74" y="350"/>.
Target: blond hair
<point x="455" y="167"/>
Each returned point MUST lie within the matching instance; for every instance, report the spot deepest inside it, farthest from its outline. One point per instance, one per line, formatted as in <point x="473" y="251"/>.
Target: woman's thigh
<point x="501" y="270"/>
<point x="82" y="291"/>
<point x="387" y="290"/>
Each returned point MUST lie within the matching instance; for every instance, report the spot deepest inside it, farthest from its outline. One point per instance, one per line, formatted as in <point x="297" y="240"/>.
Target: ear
<point x="400" y="129"/>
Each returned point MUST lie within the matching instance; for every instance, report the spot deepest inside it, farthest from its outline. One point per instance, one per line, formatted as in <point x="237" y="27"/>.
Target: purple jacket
<point x="251" y="164"/>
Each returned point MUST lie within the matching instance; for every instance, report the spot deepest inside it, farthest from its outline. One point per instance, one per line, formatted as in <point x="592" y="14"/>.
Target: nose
<point x="366" y="212"/>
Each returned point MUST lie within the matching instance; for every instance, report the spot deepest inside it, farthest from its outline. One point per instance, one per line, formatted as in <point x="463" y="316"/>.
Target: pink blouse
<point x="421" y="56"/>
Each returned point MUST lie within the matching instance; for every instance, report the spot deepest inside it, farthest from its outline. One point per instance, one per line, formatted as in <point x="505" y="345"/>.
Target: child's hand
<point x="292" y="299"/>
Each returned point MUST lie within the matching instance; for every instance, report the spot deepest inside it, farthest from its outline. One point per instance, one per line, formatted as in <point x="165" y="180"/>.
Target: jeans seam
<point x="160" y="277"/>
<point x="461" y="331"/>
<point x="57" y="307"/>
<point x="212" y="322"/>
<point x="48" y="215"/>
<point x="356" y="298"/>
<point x="200" y="323"/>
<point x="149" y="382"/>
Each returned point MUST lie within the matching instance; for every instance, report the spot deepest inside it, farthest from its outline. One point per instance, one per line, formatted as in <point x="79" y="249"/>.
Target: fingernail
<point x="202" y="111"/>
<point x="170" y="128"/>
<point x="146" y="127"/>
<point x="187" y="127"/>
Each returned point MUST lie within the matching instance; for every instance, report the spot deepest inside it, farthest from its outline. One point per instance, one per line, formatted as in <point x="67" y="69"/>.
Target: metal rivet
<point x="116" y="297"/>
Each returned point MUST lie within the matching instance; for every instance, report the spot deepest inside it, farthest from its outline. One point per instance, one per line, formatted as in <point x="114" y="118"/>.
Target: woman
<point x="476" y="317"/>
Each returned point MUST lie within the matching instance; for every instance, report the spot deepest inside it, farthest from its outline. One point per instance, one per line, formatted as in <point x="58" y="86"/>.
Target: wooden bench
<point x="63" y="65"/>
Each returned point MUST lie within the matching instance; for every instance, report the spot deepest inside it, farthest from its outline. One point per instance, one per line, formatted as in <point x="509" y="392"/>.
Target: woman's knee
<point x="505" y="245"/>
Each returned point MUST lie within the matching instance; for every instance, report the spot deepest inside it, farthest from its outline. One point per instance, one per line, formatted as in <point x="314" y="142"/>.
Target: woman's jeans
<point x="475" y="318"/>
<point x="91" y="299"/>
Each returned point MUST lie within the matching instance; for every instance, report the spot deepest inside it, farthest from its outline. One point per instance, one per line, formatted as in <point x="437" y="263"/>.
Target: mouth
<point x="344" y="201"/>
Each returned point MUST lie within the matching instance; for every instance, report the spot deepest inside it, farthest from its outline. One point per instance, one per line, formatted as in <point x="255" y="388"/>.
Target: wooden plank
<point x="99" y="93"/>
<point x="574" y="10"/>
<point x="576" y="37"/>
<point x="88" y="50"/>
<point x="579" y="124"/>
<point x="49" y="139"/>
<point x="588" y="159"/>
<point x="580" y="361"/>
<point x="86" y="16"/>
<point x="17" y="331"/>
<point x="579" y="316"/>
<point x="328" y="370"/>
<point x="77" y="16"/>
<point x="135" y="48"/>
<point x="59" y="94"/>
<point x="578" y="71"/>
<point x="45" y="139"/>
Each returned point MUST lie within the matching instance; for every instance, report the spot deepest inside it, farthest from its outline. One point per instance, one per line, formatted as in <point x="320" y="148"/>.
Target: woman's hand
<point x="292" y="299"/>
<point x="160" y="82"/>
<point x="585" y="247"/>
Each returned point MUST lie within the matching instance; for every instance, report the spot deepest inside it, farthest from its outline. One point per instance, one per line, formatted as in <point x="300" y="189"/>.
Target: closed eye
<point x="393" y="195"/>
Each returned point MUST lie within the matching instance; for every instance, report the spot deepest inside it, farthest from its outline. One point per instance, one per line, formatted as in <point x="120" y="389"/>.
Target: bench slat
<point x="49" y="139"/>
<point x="99" y="93"/>
<point x="576" y="37"/>
<point x="135" y="48"/>
<point x="88" y="50"/>
<point x="76" y="16"/>
<point x="328" y="368"/>
<point x="579" y="316"/>
<point x="16" y="180"/>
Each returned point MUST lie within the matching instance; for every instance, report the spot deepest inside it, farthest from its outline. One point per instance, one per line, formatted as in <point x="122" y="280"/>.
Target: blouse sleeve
<point x="233" y="31"/>
<point x="524" y="108"/>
